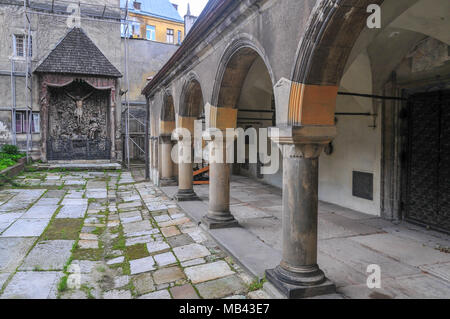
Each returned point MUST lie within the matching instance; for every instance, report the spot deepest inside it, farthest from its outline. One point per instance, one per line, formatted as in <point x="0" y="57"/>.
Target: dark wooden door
<point x="428" y="181"/>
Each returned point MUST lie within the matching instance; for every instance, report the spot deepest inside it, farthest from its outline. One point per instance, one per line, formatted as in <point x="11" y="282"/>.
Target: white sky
<point x="196" y="6"/>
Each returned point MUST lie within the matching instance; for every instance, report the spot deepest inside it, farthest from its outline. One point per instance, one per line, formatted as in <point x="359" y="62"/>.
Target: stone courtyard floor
<point x="78" y="235"/>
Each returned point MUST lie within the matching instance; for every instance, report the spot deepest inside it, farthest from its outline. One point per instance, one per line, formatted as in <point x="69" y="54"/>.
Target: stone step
<point x="78" y="165"/>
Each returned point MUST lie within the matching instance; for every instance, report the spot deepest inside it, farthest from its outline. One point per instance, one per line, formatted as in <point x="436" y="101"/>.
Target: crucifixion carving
<point x="79" y="104"/>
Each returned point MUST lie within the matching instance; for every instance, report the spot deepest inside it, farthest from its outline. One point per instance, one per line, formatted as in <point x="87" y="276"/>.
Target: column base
<point x="211" y="223"/>
<point x="186" y="196"/>
<point x="299" y="290"/>
<point x="163" y="182"/>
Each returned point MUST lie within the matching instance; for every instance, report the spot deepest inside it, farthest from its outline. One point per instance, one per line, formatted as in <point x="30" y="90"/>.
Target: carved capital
<point x="302" y="141"/>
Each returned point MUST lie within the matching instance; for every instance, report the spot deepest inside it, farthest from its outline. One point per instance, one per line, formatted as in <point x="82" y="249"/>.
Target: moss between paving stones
<point x="93" y="254"/>
<point x="64" y="229"/>
<point x="137" y="251"/>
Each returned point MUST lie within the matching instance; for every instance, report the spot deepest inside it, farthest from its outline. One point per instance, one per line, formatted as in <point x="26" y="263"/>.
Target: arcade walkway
<point x="414" y="262"/>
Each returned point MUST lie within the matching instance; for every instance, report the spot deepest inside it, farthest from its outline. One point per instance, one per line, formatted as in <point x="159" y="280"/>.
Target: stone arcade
<point x="315" y="70"/>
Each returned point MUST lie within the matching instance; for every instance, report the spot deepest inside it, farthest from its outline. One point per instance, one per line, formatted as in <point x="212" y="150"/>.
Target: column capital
<point x="302" y="141"/>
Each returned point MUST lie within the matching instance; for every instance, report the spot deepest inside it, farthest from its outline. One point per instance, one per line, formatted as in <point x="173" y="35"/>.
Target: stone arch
<point x="191" y="100"/>
<point x="168" y="108"/>
<point x="333" y="29"/>
<point x="240" y="55"/>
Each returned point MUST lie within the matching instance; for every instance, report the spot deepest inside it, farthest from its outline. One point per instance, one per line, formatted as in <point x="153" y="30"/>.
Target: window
<point x="19" y="45"/>
<point x="169" y="35"/>
<point x="22" y="122"/>
<point x="136" y="29"/>
<point x="151" y="32"/>
<point x="123" y="29"/>
<point x="179" y="37"/>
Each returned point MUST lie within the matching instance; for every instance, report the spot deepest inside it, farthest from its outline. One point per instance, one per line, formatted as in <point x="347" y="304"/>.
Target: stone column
<point x="219" y="215"/>
<point x="298" y="274"/>
<point x="185" y="174"/>
<point x="167" y="176"/>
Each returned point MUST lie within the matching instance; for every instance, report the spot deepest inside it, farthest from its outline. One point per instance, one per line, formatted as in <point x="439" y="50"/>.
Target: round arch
<point x="168" y="109"/>
<point x="333" y="29"/>
<point x="191" y="100"/>
<point x="240" y="54"/>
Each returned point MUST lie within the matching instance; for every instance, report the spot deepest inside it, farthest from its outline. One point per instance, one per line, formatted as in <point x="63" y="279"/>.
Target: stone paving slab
<point x="161" y="294"/>
<point x="7" y="219"/>
<point x="221" y="288"/>
<point x="341" y="248"/>
<point x="206" y="272"/>
<point x="12" y="252"/>
<point x="32" y="285"/>
<point x="438" y="270"/>
<point x="403" y="250"/>
<point x="48" y="255"/>
<point x="41" y="211"/>
<point x="3" y="278"/>
<point x="192" y="251"/>
<point x="142" y="265"/>
<point x="25" y="227"/>
<point x="72" y="212"/>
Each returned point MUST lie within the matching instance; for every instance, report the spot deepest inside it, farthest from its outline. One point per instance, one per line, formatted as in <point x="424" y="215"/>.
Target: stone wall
<point x="47" y="31"/>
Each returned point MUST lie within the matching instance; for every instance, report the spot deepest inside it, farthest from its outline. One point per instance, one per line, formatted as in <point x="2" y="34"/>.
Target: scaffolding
<point x="28" y="93"/>
<point x="86" y="11"/>
<point x="133" y="135"/>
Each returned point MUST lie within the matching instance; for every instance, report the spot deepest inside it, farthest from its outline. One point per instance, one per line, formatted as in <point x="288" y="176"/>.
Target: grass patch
<point x="137" y="251"/>
<point x="88" y="291"/>
<point x="257" y="284"/>
<point x="62" y="285"/>
<point x="65" y="229"/>
<point x="88" y="254"/>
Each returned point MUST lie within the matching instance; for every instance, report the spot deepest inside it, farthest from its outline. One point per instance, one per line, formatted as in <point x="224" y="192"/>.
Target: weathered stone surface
<point x="143" y="283"/>
<point x="121" y="281"/>
<point x="193" y="262"/>
<point x="142" y="265"/>
<point x="3" y="278"/>
<point x="72" y="212"/>
<point x="165" y="259"/>
<point x="83" y="266"/>
<point x="115" y="261"/>
<point x="192" y="251"/>
<point x="161" y="294"/>
<point x="174" y="222"/>
<point x="180" y="240"/>
<point x="75" y="202"/>
<point x="157" y="246"/>
<point x="206" y="272"/>
<point x="340" y="248"/>
<point x="138" y="240"/>
<point x="131" y="229"/>
<point x="403" y="249"/>
<point x="258" y="294"/>
<point x="48" y="255"/>
<point x="88" y="244"/>
<point x="32" y="285"/>
<point x="25" y="227"/>
<point x="12" y="252"/>
<point x="170" y="231"/>
<point x="117" y="294"/>
<point x="161" y="218"/>
<point x="85" y="236"/>
<point x="167" y="275"/>
<point x="222" y="287"/>
<point x="41" y="212"/>
<point x="7" y="219"/>
<point x="184" y="292"/>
